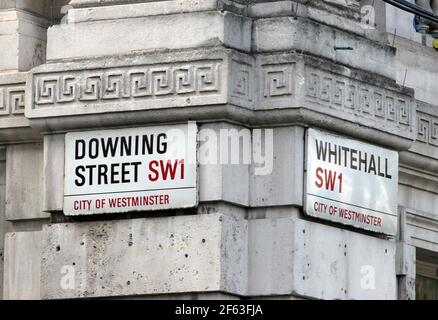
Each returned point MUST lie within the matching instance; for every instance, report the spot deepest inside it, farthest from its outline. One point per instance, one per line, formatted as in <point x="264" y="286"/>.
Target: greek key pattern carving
<point x="277" y="80"/>
<point x="427" y="129"/>
<point x="12" y="100"/>
<point x="128" y="83"/>
<point x="242" y="81"/>
<point x="352" y="96"/>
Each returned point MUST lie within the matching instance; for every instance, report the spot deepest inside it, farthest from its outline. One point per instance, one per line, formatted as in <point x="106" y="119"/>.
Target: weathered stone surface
<point x="38" y="7"/>
<point x="22" y="269"/>
<point x="24" y="181"/>
<point x="203" y="253"/>
<point x="405" y="259"/>
<point x="347" y="20"/>
<point x="293" y="87"/>
<point x="133" y="10"/>
<point x="96" y="3"/>
<point x="290" y="33"/>
<point x="2" y="213"/>
<point x="426" y="143"/>
<point x="414" y="72"/>
<point x="119" y="63"/>
<point x="22" y="41"/>
<point x="360" y="98"/>
<point x="22" y="46"/>
<point x="184" y="296"/>
<point x="289" y="256"/>
<point x="140" y="82"/>
<point x="178" y="31"/>
<point x="54" y="156"/>
<point x="219" y="179"/>
<point x="12" y="96"/>
<point x="406" y="288"/>
<point x="284" y="185"/>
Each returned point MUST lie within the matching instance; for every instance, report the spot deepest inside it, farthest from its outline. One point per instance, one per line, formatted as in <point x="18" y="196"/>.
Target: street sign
<point x="135" y="169"/>
<point x="351" y="182"/>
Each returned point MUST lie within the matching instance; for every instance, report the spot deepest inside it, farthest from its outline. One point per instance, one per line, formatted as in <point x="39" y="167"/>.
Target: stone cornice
<point x="294" y="88"/>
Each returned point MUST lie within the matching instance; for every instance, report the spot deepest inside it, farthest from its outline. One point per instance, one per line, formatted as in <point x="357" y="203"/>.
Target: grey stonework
<point x="224" y="64"/>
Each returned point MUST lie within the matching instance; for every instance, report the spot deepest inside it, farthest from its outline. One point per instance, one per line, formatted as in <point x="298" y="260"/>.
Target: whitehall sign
<point x="136" y="169"/>
<point x="351" y="182"/>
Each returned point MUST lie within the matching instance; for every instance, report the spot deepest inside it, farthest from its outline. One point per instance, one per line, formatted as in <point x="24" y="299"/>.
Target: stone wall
<point x="224" y="64"/>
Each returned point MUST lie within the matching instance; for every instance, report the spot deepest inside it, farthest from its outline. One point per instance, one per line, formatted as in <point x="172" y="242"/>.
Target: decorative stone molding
<point x="304" y="34"/>
<point x="140" y="83"/>
<point x="299" y="81"/>
<point x="14" y="126"/>
<point x="277" y="81"/>
<point x="124" y="84"/>
<point x="209" y="78"/>
<point x="242" y="82"/>
<point x="353" y="97"/>
<point x="11" y="100"/>
<point x="424" y="152"/>
<point x="12" y="95"/>
<point x="427" y="129"/>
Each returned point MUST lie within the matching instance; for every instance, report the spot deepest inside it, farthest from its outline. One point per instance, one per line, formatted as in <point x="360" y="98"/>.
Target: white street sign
<point x="135" y="169"/>
<point x="351" y="182"/>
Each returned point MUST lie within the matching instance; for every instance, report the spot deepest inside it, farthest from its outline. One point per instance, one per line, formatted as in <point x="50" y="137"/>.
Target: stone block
<point x="220" y="178"/>
<point x="96" y="3"/>
<point x="22" y="266"/>
<point x="41" y="8"/>
<point x="202" y="253"/>
<point x="284" y="185"/>
<point x="416" y="66"/>
<point x="139" y="82"/>
<point x="24" y="182"/>
<point x="135" y="10"/>
<point x="309" y="259"/>
<point x="2" y="213"/>
<point x="426" y="143"/>
<point x="292" y="87"/>
<point x="303" y="35"/>
<point x="338" y="98"/>
<point x="22" y="41"/>
<point x="12" y="96"/>
<point x="164" y="32"/>
<point x="54" y="157"/>
<point x="405" y="259"/>
<point x="14" y="126"/>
